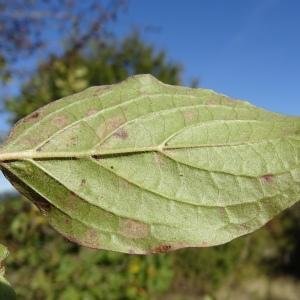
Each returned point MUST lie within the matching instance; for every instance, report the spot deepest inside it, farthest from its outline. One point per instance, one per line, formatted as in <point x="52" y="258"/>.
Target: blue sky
<point x="245" y="49"/>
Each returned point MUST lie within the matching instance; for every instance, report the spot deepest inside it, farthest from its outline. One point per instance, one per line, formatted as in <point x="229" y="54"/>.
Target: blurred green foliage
<point x="6" y="292"/>
<point x="104" y="63"/>
<point x="44" y="265"/>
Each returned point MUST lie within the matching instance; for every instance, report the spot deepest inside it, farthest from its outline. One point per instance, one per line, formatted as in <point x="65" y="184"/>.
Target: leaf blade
<point x="147" y="168"/>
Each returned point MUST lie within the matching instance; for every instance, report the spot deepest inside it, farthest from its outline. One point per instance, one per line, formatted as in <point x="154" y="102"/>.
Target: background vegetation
<point x="43" y="265"/>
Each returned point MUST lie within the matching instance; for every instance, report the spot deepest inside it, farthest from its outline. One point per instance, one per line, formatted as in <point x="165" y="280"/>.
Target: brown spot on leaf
<point x="122" y="134"/>
<point x="83" y="183"/>
<point x="110" y="125"/>
<point x="73" y="141"/>
<point x="134" y="229"/>
<point x="43" y="205"/>
<point x="221" y="211"/>
<point x="32" y="117"/>
<point x="69" y="202"/>
<point x="124" y="185"/>
<point x="159" y="159"/>
<point x="268" y="178"/>
<point x="115" y="122"/>
<point x="67" y="221"/>
<point x="161" y="249"/>
<point x="60" y="121"/>
<point x="91" y="238"/>
<point x="91" y="112"/>
<point x="30" y="141"/>
<point x="244" y="228"/>
<point x="190" y="115"/>
<point x="167" y="247"/>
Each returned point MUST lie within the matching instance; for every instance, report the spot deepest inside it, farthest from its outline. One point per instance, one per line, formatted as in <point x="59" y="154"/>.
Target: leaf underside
<point x="144" y="167"/>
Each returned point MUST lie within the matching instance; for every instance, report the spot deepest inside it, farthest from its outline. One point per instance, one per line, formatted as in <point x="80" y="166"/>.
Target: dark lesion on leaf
<point x="83" y="183"/>
<point x="31" y="118"/>
<point x="73" y="194"/>
<point x="161" y="248"/>
<point x="90" y="239"/>
<point x="134" y="229"/>
<point x="60" y="120"/>
<point x="43" y="205"/>
<point x="268" y="178"/>
<point x="121" y="133"/>
<point x="244" y="227"/>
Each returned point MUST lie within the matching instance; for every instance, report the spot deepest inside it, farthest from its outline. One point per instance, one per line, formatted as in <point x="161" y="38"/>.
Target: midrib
<point x="29" y="154"/>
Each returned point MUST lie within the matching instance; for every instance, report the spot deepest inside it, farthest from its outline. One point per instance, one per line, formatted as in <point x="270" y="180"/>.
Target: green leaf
<point x="6" y="291"/>
<point x="144" y="167"/>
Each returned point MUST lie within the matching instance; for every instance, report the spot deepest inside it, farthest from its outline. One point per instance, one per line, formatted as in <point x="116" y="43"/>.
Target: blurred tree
<point x="36" y="28"/>
<point x="33" y="30"/>
<point x="105" y="62"/>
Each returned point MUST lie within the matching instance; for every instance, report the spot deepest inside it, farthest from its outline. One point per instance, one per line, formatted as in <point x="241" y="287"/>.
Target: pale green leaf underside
<point x="144" y="167"/>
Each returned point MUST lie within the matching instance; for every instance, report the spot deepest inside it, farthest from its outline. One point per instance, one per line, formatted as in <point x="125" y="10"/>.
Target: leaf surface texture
<point x="144" y="167"/>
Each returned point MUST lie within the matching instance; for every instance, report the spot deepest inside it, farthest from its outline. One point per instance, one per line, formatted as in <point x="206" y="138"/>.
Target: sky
<point x="245" y="49"/>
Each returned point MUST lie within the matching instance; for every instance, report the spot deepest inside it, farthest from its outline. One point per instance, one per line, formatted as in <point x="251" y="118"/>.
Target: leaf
<point x="6" y="291"/>
<point x="144" y="167"/>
